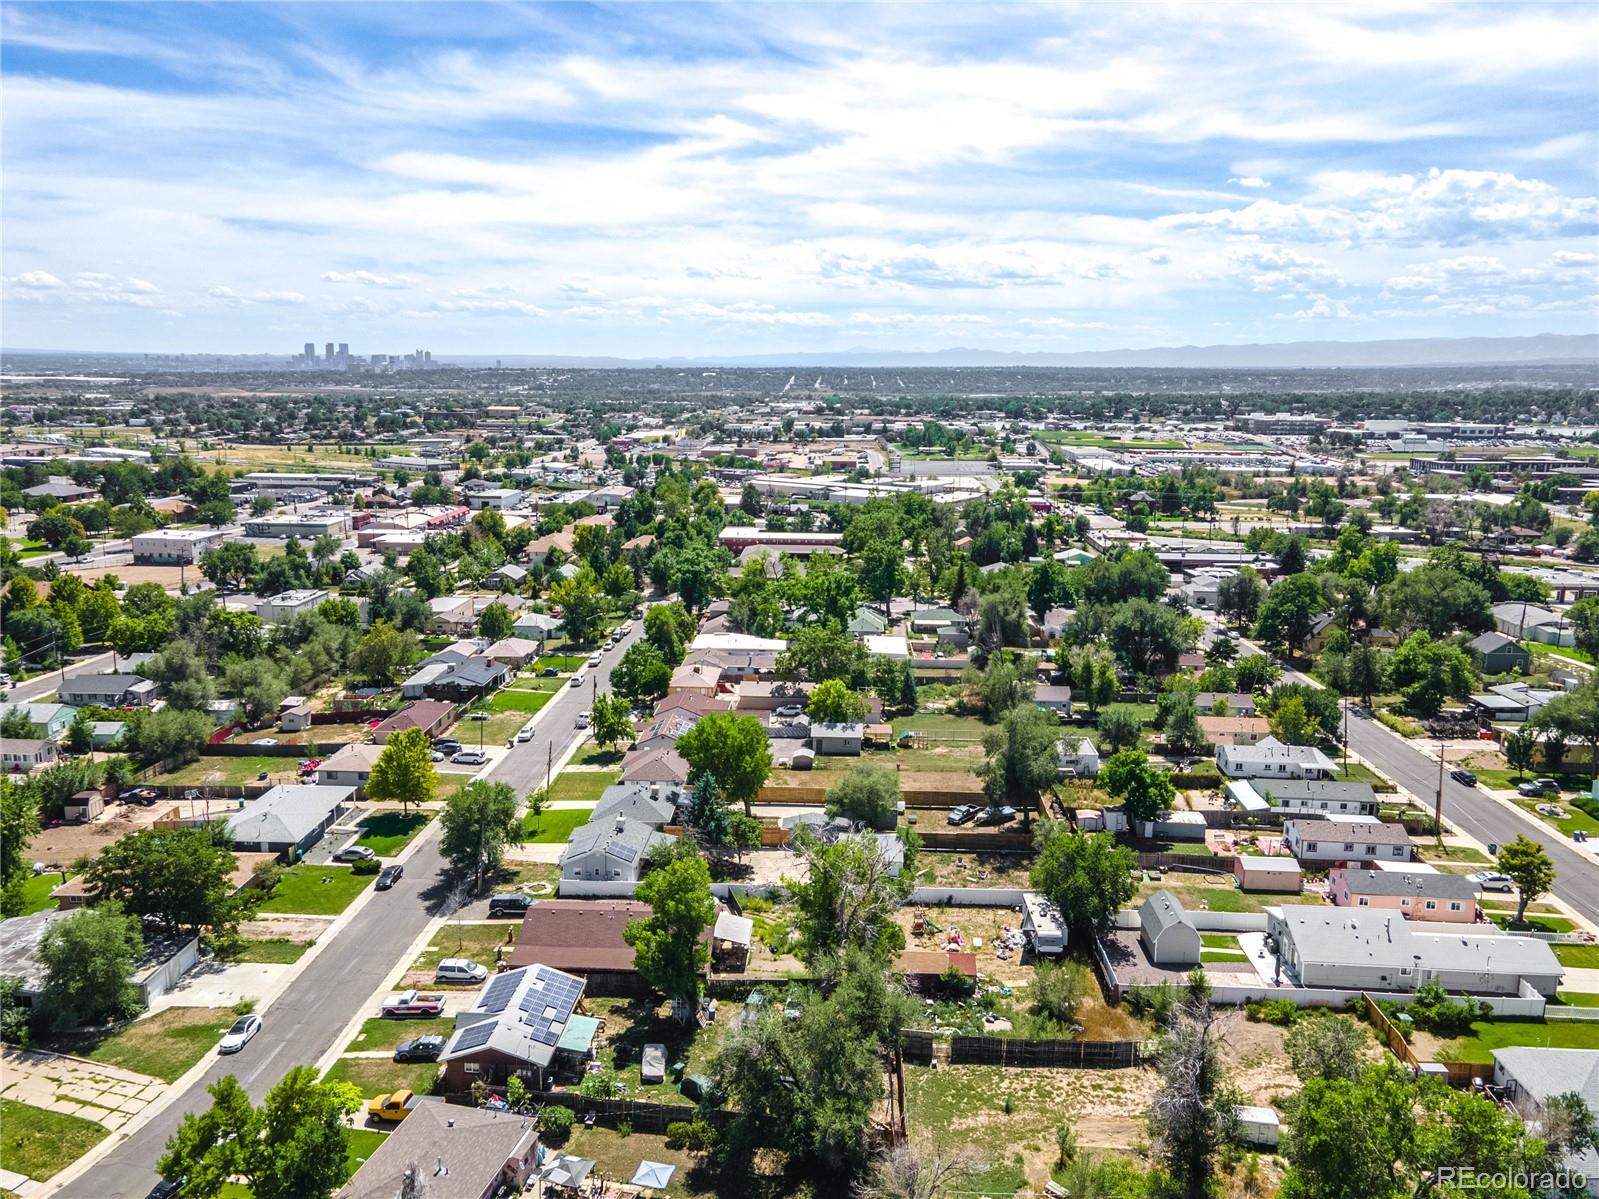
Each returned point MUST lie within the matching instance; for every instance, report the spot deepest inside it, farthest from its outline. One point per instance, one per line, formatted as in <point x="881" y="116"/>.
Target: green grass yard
<point x="562" y="662"/>
<point x="163" y="1046"/>
<point x="386" y="833"/>
<point x="315" y="891"/>
<point x="1501" y="1034"/>
<point x="583" y="785"/>
<point x="380" y="1075"/>
<point x="277" y="950"/>
<point x="1579" y="998"/>
<point x="36" y="893"/>
<point x="525" y="702"/>
<point x="475" y="942"/>
<point x="381" y="1033"/>
<point x="553" y="828"/>
<point x="42" y="1143"/>
<point x="1580" y="956"/>
<point x="359" y="1144"/>
<point x="1574" y="818"/>
<point x="1358" y="772"/>
<point x="229" y="772"/>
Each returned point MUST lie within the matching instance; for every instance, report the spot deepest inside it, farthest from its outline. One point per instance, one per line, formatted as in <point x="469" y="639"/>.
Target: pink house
<point x="1447" y="898"/>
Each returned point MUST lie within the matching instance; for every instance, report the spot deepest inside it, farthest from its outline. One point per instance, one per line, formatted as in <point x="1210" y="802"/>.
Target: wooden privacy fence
<point x="918" y="1048"/>
<point x="644" y="1115"/>
<point x="1461" y="1074"/>
<point x="1071" y="1055"/>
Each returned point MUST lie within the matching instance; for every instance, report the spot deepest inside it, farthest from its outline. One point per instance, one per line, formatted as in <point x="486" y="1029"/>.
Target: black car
<point x="419" y="1049"/>
<point x="388" y="876"/>
<point x="549" y="672"/>
<point x="448" y="745"/>
<point x="1464" y="776"/>
<point x="165" y="1189"/>
<point x="509" y="904"/>
<point x="963" y="813"/>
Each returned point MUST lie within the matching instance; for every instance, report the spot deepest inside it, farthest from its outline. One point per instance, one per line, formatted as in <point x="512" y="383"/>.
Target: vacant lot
<point x="385" y="833"/>
<point x="163" y="1046"/>
<point x="315" y="890"/>
<point x="40" y="1143"/>
<point x="553" y="828"/>
<point x="526" y="702"/>
<point x="230" y="772"/>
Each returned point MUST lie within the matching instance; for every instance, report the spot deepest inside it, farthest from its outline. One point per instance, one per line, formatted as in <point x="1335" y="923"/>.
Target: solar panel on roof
<point x="625" y="853"/>
<point x="473" y="1036"/>
<point x="499" y="991"/>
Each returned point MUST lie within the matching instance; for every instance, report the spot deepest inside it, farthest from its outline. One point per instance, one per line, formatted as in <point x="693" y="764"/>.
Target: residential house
<point x="1321" y="628"/>
<point x="514" y="1027"/>
<point x="1529" y="1076"/>
<point x="514" y="652"/>
<point x="659" y="763"/>
<point x="1239" y="703"/>
<point x="1323" y="842"/>
<point x="23" y="755"/>
<point x="61" y="489"/>
<point x="468" y="679"/>
<point x="867" y="622"/>
<point x="1512" y="702"/>
<point x="1234" y="730"/>
<point x="610" y="851"/>
<point x="1495" y="653"/>
<point x="1382" y="951"/>
<point x="288" y="819"/>
<point x="1311" y="797"/>
<point x="509" y="575"/>
<point x="447" y="1151"/>
<point x="1165" y="932"/>
<point x="924" y="969"/>
<point x="933" y="621"/>
<point x="648" y="803"/>
<point x="700" y="678"/>
<point x="537" y="626"/>
<point x="156" y="971"/>
<point x="1080" y="761"/>
<point x="1057" y="700"/>
<point x="582" y="937"/>
<point x="106" y="691"/>
<point x="1529" y="622"/>
<point x="49" y="721"/>
<point x="1270" y="758"/>
<point x="1449" y="898"/>
<point x="351" y="766"/>
<point x="430" y="715"/>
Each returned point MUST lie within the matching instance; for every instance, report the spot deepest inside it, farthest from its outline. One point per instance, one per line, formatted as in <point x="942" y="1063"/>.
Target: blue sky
<point x="648" y="179"/>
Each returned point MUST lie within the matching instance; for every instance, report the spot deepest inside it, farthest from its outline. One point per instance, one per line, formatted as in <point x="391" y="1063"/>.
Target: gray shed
<point x="1167" y="936"/>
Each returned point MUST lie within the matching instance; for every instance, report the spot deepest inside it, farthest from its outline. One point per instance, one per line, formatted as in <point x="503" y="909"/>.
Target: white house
<point x="1080" y="762"/>
<point x="1271" y="759"/>
<point x="350" y="767"/>
<point x="610" y="851"/>
<point x="1326" y="841"/>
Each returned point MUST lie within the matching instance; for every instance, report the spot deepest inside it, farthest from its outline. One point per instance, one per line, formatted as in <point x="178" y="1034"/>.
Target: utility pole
<point x="1346" y="735"/>
<point x="1438" y="803"/>
<point x="549" y="763"/>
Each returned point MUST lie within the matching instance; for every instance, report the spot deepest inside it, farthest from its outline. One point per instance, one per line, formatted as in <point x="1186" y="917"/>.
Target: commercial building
<point x="175" y="547"/>
<point x="286" y="605"/>
<point x="308" y="527"/>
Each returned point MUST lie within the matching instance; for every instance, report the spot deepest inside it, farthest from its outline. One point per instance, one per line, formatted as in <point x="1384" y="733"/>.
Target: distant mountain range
<point x="1420" y="351"/>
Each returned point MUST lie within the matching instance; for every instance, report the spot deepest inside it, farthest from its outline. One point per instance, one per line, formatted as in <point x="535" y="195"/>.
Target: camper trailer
<point x="1042" y="925"/>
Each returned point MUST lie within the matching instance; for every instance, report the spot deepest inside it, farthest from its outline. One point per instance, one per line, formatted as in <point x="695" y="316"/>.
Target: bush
<point x="1433" y="1011"/>
<point x="366" y="866"/>
<point x="696" y="1136"/>
<point x="555" y="1122"/>
<point x="1272" y="1011"/>
<point x="1158" y="1002"/>
<point x="15" y="1026"/>
<point x="1057" y="990"/>
<point x="599" y="1085"/>
<point x="624" y="1128"/>
<point x="268" y="873"/>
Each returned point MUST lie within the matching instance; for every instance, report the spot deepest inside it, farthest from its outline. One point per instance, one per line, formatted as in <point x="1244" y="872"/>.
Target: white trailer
<point x="1041" y="923"/>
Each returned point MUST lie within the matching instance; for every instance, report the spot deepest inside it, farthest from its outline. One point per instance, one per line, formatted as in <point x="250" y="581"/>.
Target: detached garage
<point x="1168" y="938"/>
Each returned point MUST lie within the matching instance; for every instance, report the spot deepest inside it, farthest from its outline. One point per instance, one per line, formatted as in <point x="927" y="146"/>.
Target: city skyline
<point x="645" y="181"/>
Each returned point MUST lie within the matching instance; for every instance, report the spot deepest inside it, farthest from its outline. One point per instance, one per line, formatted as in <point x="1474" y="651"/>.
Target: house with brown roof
<point x="449" y="1151"/>
<point x="924" y="968"/>
<point x="1234" y="730"/>
<point x="562" y="539"/>
<point x="657" y="764"/>
<point x="432" y="716"/>
<point x="583" y="938"/>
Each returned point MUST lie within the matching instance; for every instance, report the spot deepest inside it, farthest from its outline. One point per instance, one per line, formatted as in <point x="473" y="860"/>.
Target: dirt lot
<point x="170" y="577"/>
<point x="66" y="843"/>
<point x="289" y="928"/>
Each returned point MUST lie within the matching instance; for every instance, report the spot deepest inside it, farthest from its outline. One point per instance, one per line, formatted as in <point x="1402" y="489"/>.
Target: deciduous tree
<point x="669" y="949"/>
<point x="1087" y="876"/>
<point x="403" y="773"/>
<point x="479" y="821"/>
<point x="1528" y="865"/>
<point x="734" y="750"/>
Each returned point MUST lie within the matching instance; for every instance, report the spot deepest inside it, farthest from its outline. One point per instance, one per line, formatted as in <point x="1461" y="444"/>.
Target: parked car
<point x="394" y="1106"/>
<point x="549" y="672"/>
<point x="469" y="757"/>
<point x="583" y="719"/>
<point x="460" y="971"/>
<point x="437" y="755"/>
<point x="407" y="1004"/>
<point x="477" y="716"/>
<point x="1000" y="815"/>
<point x="420" y="1049"/>
<point x="790" y="710"/>
<point x="963" y="813"/>
<point x="1492" y="880"/>
<point x="447" y="744"/>
<point x="354" y="853"/>
<point x="509" y="903"/>
<point x="143" y="796"/>
<point x="594" y="660"/>
<point x="1464" y="777"/>
<point x="525" y="733"/>
<point x="577" y="680"/>
<point x="237" y="1037"/>
<point x="166" y="1189"/>
<point x="388" y="876"/>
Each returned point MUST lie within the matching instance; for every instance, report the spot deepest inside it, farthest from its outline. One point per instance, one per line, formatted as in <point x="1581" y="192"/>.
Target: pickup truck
<point x="413" y="1003"/>
<point x="396" y="1106"/>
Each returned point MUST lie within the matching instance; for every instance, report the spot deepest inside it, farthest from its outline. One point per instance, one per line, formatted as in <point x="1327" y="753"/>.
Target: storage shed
<point x="1259" y="1125"/>
<point x="1167" y="936"/>
<point x="1280" y="875"/>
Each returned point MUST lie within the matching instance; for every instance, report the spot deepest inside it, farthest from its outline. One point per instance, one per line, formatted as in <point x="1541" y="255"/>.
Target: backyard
<point x="315" y="890"/>
<point x="630" y="1024"/>
<point x="1486" y="1036"/>
<point x="36" y="893"/>
<point x="42" y="1143"/>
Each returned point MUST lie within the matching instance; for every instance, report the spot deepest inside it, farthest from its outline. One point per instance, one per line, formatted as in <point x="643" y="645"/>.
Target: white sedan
<point x="239" y="1035"/>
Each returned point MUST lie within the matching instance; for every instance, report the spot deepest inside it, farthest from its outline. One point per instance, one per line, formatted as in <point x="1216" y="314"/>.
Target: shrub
<point x="1433" y="1011"/>
<point x="624" y="1128"/>
<point x="15" y="1027"/>
<point x="1272" y="1011"/>
<point x="696" y="1136"/>
<point x="366" y="866"/>
<point x="1158" y="1002"/>
<point x="599" y="1085"/>
<point x="244" y="1007"/>
<point x="555" y="1122"/>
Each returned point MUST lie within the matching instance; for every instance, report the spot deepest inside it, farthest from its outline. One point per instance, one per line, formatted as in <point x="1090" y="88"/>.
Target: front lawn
<point x="592" y="755"/>
<point x="386" y="833"/>
<point x="584" y="786"/>
<point x="475" y="942"/>
<point x="553" y="828"/>
<point x="163" y="1046"/>
<point x="381" y="1033"/>
<point x="526" y="702"/>
<point x="279" y="950"/>
<point x="380" y="1075"/>
<point x="1579" y="998"/>
<point x="41" y="1143"/>
<point x="1580" y="956"/>
<point x="1358" y="772"/>
<point x="1542" y="924"/>
<point x="1506" y="780"/>
<point x="1487" y="1036"/>
<point x="315" y="890"/>
<point x="1454" y="853"/>
<point x="562" y="662"/>
<point x="1575" y="818"/>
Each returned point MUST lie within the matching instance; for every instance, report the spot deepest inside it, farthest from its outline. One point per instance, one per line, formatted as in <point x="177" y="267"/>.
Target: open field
<point x="315" y="890"/>
<point x="42" y="1143"/>
<point x="163" y="1046"/>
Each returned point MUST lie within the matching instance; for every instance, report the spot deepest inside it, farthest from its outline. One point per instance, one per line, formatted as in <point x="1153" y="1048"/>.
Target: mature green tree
<point x="1148" y="636"/>
<point x="734" y="750"/>
<point x="642" y="675"/>
<point x="1292" y="725"/>
<point x="1528" y="865"/>
<point x="669" y="949"/>
<point x="184" y="675"/>
<point x="1093" y="676"/>
<point x="495" y="622"/>
<point x="1255" y="672"/>
<point x="403" y="772"/>
<point x="1289" y="610"/>
<point x="1521" y="747"/>
<point x="259" y="685"/>
<point x="717" y="828"/>
<point x="1584" y="618"/>
<point x="383" y="653"/>
<point x="882" y="571"/>
<point x="834" y="703"/>
<point x="181" y="878"/>
<point x="669" y="627"/>
<point x="582" y="606"/>
<point x="1048" y="587"/>
<point x="821" y="652"/>
<point x="168" y="734"/>
<point x="1145" y="792"/>
<point x="293" y="1146"/>
<point x="612" y="721"/>
<point x="1022" y="761"/>
<point x="1575" y="716"/>
<point x="1002" y="619"/>
<point x="1239" y="596"/>
<point x="1120" y="727"/>
<point x="869" y="794"/>
<point x="1327" y="1046"/>
<point x="1087" y="876"/>
<point x="1179" y="719"/>
<point x="479" y="821"/>
<point x="88" y="964"/>
<point x="19" y="824"/>
<point x="1426" y="672"/>
<point x="1002" y="685"/>
<point x="847" y="900"/>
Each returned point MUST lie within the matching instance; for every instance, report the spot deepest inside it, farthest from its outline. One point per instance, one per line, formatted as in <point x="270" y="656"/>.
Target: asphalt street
<point x="303" y="1022"/>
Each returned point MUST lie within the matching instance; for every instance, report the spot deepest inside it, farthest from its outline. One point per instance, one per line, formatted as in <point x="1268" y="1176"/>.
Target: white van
<point x="583" y="719"/>
<point x="577" y="680"/>
<point x="459" y="970"/>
